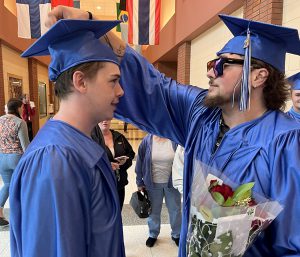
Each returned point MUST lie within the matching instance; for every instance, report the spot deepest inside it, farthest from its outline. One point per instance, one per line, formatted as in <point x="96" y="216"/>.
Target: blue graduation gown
<point x="265" y="150"/>
<point x="295" y="115"/>
<point x="63" y="198"/>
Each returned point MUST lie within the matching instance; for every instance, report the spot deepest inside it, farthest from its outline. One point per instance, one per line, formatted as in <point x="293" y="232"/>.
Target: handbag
<point x="141" y="204"/>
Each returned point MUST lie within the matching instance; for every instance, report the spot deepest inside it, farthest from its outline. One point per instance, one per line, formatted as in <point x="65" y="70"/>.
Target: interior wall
<point x="168" y="68"/>
<point x="42" y="72"/>
<point x="204" y="48"/>
<point x="11" y="6"/>
<point x="167" y="11"/>
<point x="291" y="18"/>
<point x="15" y="65"/>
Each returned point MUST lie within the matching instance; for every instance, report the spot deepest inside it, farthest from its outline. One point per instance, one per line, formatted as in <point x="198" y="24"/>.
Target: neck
<point x="234" y="117"/>
<point x="295" y="109"/>
<point x="74" y="114"/>
<point x="106" y="132"/>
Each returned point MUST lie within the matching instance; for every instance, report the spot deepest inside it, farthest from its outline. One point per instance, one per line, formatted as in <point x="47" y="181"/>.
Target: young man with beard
<point x="63" y="194"/>
<point x="294" y="112"/>
<point x="236" y="127"/>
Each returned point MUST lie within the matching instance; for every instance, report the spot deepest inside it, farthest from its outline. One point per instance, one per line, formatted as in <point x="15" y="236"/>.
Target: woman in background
<point x="28" y="111"/>
<point x="153" y="173"/>
<point x="13" y="142"/>
<point x="120" y="155"/>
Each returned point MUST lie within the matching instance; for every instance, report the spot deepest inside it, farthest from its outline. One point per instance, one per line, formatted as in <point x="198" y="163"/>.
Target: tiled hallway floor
<point x="135" y="229"/>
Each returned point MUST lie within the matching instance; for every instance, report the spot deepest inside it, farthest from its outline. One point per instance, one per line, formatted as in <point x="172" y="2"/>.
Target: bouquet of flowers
<point x="225" y="221"/>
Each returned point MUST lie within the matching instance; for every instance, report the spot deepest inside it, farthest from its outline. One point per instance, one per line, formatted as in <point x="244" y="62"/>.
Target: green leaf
<point x="229" y="202"/>
<point x="243" y="191"/>
<point x="218" y="198"/>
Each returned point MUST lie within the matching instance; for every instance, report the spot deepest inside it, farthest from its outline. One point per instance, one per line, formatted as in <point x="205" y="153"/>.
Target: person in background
<point x="177" y="169"/>
<point x="63" y="197"/>
<point x="154" y="173"/>
<point x="28" y="111"/>
<point x="13" y="143"/>
<point x="120" y="155"/>
<point x="294" y="112"/>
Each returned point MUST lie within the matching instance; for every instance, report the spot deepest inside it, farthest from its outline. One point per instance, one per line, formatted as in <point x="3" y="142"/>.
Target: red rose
<point x="225" y="190"/>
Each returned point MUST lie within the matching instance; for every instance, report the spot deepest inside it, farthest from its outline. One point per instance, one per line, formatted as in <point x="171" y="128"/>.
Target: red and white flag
<point x="144" y="21"/>
<point x="55" y="3"/>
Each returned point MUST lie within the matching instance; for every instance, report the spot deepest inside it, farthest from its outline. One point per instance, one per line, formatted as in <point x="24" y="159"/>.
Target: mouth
<point x="212" y="87"/>
<point x="114" y="104"/>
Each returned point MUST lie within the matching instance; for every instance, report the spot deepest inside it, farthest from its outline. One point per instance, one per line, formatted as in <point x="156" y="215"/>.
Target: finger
<point x="51" y="20"/>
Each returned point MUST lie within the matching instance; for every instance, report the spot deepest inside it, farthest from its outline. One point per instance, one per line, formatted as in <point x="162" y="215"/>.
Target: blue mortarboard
<point x="72" y="42"/>
<point x="269" y="43"/>
<point x="266" y="42"/>
<point x="295" y="80"/>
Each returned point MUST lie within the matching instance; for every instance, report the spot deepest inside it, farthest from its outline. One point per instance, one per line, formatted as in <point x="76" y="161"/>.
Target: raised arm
<point x="152" y="102"/>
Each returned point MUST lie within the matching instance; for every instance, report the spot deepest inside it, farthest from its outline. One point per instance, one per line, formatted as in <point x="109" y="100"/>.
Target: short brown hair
<point x="64" y="83"/>
<point x="276" y="90"/>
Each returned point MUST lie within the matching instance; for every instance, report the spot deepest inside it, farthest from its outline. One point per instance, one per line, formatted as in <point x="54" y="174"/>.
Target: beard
<point x="215" y="101"/>
<point x="218" y="100"/>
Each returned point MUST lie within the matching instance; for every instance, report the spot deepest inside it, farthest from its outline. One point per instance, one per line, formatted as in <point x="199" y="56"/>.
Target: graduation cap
<point x="73" y="42"/>
<point x="266" y="42"/>
<point x="295" y="80"/>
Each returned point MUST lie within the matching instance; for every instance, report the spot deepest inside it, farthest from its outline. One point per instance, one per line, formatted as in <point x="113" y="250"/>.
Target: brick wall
<point x="33" y="91"/>
<point x="269" y="11"/>
<point x="183" y="63"/>
<point x="2" y="99"/>
<point x="168" y="68"/>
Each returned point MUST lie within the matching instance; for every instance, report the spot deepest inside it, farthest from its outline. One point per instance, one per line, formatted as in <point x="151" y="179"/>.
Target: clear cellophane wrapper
<point x="216" y="231"/>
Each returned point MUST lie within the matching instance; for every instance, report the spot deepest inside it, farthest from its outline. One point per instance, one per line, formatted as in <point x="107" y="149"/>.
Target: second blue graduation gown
<point x="63" y="198"/>
<point x="295" y="115"/>
<point x="265" y="150"/>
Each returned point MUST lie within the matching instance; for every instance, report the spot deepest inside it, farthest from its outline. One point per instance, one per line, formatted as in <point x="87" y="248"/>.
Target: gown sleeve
<point x="139" y="163"/>
<point x="153" y="102"/>
<point x="285" y="180"/>
<point x="51" y="186"/>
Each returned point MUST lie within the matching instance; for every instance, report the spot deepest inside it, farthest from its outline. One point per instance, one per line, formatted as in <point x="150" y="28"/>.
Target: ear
<point x="79" y="82"/>
<point x="259" y="77"/>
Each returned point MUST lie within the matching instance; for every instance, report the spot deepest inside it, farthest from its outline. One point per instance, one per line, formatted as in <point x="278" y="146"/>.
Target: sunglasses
<point x="218" y="64"/>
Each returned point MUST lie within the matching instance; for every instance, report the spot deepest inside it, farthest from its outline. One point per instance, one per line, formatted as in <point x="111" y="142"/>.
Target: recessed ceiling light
<point x="98" y="7"/>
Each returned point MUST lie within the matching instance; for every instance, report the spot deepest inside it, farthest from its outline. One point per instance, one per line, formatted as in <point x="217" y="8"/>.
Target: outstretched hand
<point x="65" y="12"/>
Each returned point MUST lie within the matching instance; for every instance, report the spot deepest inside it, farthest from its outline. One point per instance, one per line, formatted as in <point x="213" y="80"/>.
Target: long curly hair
<point x="277" y="90"/>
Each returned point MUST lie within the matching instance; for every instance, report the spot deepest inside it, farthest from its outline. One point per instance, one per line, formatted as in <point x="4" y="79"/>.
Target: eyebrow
<point x="117" y="76"/>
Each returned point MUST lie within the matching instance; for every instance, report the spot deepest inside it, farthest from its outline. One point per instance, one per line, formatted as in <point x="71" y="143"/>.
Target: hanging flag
<point x="62" y="2"/>
<point x="77" y="4"/>
<point x="144" y="21"/>
<point x="31" y="15"/>
<point x="122" y="16"/>
<point x="124" y="32"/>
<point x="123" y="5"/>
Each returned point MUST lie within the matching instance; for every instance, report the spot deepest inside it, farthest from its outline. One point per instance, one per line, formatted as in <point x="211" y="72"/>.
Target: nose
<point x="119" y="90"/>
<point x="210" y="73"/>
